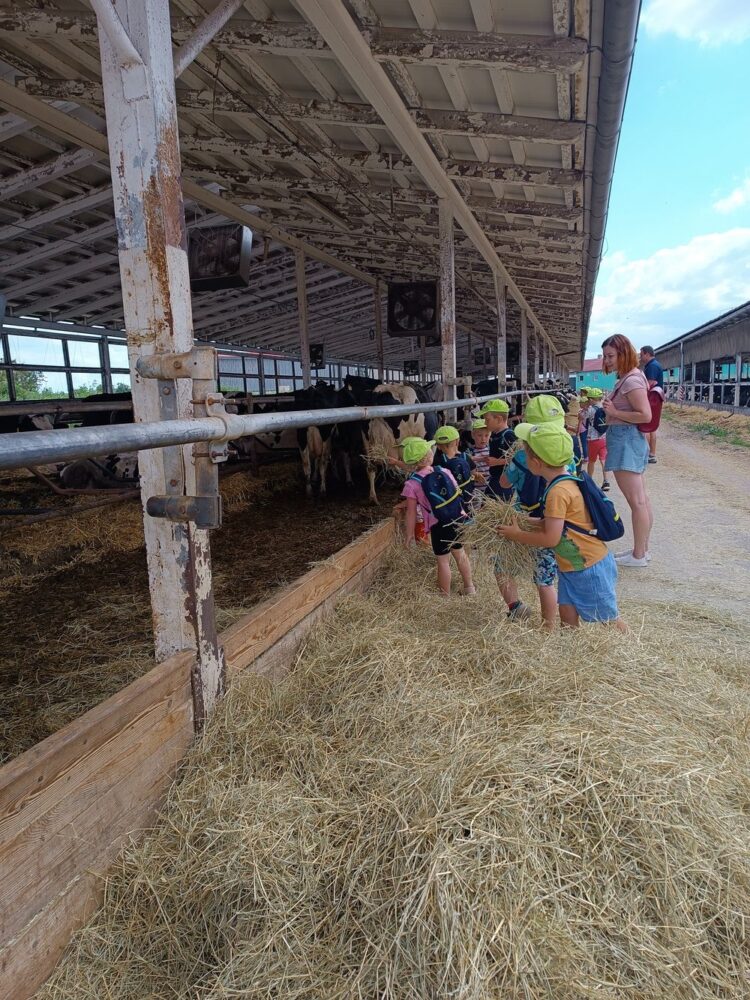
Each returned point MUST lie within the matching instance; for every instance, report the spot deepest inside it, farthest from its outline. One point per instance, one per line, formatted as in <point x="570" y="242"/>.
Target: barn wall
<point x="68" y="805"/>
<point x="724" y="343"/>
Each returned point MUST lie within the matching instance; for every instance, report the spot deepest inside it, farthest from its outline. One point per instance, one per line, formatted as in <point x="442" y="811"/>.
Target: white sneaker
<point x="626" y="555"/>
<point x="629" y="560"/>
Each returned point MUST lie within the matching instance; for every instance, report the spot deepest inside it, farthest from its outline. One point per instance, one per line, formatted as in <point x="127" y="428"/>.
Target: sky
<point x="677" y="250"/>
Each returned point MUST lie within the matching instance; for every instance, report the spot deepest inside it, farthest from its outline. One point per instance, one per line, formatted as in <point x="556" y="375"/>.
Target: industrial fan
<point x="219" y="257"/>
<point x="413" y="310"/>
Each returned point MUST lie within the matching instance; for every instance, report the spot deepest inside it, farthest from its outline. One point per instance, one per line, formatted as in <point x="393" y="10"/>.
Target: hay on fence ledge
<point x="440" y="805"/>
<point x="481" y="535"/>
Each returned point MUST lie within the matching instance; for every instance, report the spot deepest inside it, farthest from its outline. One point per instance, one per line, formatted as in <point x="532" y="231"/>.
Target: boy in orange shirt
<point x="587" y="569"/>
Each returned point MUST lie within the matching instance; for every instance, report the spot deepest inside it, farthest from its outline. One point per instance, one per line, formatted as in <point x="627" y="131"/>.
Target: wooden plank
<point x="69" y="804"/>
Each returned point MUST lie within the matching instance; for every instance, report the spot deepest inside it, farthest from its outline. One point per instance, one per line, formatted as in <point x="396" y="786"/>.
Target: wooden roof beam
<point x="521" y="53"/>
<point x="483" y="125"/>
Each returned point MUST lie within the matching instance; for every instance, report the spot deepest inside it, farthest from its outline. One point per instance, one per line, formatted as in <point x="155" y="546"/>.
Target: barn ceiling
<point x="269" y="120"/>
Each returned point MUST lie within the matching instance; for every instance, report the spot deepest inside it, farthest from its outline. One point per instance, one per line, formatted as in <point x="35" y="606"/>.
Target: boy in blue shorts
<point x="587" y="569"/>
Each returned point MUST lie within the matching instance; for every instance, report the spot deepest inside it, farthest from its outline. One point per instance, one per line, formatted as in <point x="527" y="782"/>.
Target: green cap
<point x="550" y="442"/>
<point x="594" y="393"/>
<point x="444" y="435"/>
<point x="479" y="425"/>
<point x="415" y="449"/>
<point x="544" y="410"/>
<point x="495" y="406"/>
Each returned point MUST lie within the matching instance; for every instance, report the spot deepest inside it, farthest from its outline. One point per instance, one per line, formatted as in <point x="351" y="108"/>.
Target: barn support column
<point x="447" y="304"/>
<point x="139" y="97"/>
<point x="524" y="349"/>
<point x="379" y="331"/>
<point x="304" y="329"/>
<point x="501" y="299"/>
<point x="423" y="358"/>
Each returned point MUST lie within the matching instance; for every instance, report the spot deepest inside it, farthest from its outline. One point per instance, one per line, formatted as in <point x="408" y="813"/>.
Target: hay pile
<point x="722" y="426"/>
<point x="447" y="805"/>
<point x="481" y="535"/>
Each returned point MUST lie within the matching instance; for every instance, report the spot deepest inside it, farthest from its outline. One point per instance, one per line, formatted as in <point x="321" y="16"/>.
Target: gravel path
<point x="700" y="492"/>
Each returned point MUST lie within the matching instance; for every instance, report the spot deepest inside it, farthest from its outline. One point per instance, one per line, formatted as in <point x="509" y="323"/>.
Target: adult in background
<point x="655" y="376"/>
<point x="627" y="448"/>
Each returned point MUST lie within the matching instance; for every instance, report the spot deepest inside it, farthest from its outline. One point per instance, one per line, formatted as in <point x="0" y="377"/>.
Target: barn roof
<point x="276" y="132"/>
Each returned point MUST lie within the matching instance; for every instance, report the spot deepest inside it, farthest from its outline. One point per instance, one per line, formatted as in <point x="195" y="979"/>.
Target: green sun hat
<point x="444" y="435"/>
<point x="595" y="393"/>
<point x="544" y="410"/>
<point x="495" y="406"/>
<point x="549" y="442"/>
<point x="415" y="449"/>
<point x="479" y="425"/>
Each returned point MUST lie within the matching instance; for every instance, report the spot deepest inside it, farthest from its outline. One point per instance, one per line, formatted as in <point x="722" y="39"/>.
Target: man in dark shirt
<point x="655" y="375"/>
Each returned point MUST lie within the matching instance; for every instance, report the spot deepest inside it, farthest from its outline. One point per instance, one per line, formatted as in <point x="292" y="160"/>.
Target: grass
<point x="727" y="428"/>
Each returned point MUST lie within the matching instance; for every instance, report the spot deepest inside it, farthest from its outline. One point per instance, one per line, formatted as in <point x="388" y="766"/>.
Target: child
<point x="418" y="455"/>
<point x="480" y="450"/>
<point x="529" y="490"/>
<point x="448" y="456"/>
<point x="582" y="428"/>
<point x="502" y="438"/>
<point x="596" y="427"/>
<point x="587" y="569"/>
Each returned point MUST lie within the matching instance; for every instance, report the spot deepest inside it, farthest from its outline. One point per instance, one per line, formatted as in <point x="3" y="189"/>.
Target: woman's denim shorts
<point x="627" y="449"/>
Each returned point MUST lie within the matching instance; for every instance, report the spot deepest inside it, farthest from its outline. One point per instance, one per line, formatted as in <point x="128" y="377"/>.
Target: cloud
<point x="710" y="22"/>
<point x="736" y="199"/>
<point x="656" y="298"/>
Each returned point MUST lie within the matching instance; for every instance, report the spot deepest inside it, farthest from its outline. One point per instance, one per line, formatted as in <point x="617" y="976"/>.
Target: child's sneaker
<point x="519" y="612"/>
<point x="605" y="486"/>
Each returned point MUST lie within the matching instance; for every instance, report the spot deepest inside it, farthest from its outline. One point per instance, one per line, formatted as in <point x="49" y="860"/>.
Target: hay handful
<point x="481" y="535"/>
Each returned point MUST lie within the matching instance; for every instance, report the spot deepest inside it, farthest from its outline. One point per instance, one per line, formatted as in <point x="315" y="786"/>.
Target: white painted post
<point x="738" y="373"/>
<point x="139" y="99"/>
<point x="524" y="349"/>
<point x="423" y="358"/>
<point x="304" y="329"/>
<point x="447" y="303"/>
<point x="379" y="332"/>
<point x="501" y="301"/>
<point x="711" y="378"/>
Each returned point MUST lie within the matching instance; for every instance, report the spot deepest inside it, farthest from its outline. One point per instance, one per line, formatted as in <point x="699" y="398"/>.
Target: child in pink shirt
<point x="418" y="455"/>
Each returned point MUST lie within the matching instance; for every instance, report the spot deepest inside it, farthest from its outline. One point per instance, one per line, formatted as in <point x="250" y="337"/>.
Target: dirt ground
<point x="700" y="492"/>
<point x="77" y="628"/>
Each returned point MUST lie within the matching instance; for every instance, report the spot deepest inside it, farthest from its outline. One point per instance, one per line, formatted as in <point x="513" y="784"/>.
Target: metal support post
<point x="423" y="358"/>
<point x="711" y="379"/>
<point x="501" y="299"/>
<point x="304" y="329"/>
<point x="379" y="332"/>
<point x="447" y="303"/>
<point x="524" y="349"/>
<point x="144" y="153"/>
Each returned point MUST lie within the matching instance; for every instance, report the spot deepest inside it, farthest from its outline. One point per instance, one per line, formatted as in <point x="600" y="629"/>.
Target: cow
<point x="110" y="473"/>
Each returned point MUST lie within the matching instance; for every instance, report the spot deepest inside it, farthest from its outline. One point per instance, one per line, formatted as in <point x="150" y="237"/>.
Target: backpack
<point x="444" y="499"/>
<point x="656" y="401"/>
<point x="607" y="522"/>
<point x="599" y="421"/>
<point x="461" y="470"/>
<point x="531" y="491"/>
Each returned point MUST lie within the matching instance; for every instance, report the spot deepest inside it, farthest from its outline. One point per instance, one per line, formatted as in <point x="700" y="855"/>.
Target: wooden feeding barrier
<point x="68" y="805"/>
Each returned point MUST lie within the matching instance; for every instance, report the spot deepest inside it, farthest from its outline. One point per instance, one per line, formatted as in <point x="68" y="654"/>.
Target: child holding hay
<point x="587" y="569"/>
<point x="480" y="450"/>
<point x="418" y="455"/>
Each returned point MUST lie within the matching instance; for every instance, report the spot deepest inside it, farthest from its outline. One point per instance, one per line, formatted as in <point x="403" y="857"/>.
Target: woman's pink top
<point x="413" y="489"/>
<point x="635" y="379"/>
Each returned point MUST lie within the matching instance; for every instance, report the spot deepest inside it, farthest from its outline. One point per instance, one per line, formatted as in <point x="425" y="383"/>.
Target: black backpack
<point x="607" y="522"/>
<point x="444" y="499"/>
<point x="459" y="466"/>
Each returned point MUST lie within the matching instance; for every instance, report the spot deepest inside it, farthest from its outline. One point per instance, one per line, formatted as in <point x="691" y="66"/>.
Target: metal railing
<point x="47" y="447"/>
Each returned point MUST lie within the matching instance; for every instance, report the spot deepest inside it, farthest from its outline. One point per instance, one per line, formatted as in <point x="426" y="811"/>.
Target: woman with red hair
<point x="627" y="447"/>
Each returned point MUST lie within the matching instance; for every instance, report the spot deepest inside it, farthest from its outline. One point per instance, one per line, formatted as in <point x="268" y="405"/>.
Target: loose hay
<point x="481" y="535"/>
<point x="440" y="805"/>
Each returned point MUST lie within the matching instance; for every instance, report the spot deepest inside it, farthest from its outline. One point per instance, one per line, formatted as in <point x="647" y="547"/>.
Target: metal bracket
<point x="204" y="511"/>
<point x="200" y="363"/>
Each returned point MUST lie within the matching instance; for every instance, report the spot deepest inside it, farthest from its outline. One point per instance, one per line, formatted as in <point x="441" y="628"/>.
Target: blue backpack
<point x="607" y="522"/>
<point x="444" y="499"/>
<point x="459" y="466"/>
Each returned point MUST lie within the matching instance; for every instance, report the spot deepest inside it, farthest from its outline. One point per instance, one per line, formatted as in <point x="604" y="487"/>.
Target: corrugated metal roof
<point x="270" y="119"/>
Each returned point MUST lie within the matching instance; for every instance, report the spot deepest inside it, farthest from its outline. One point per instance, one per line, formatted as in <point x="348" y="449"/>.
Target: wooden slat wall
<point x="68" y="805"/>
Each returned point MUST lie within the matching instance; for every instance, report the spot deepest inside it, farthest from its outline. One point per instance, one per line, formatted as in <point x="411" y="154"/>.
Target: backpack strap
<point x="567" y="524"/>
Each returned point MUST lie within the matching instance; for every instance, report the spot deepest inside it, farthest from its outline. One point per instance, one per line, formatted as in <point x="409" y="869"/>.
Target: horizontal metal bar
<point x="48" y="447"/>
